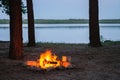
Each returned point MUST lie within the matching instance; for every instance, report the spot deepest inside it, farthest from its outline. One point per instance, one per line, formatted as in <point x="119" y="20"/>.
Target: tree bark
<point x="16" y="45"/>
<point x="94" y="34"/>
<point x="31" y="30"/>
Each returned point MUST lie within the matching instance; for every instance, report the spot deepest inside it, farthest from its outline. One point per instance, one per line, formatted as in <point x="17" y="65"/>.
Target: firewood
<point x="53" y="62"/>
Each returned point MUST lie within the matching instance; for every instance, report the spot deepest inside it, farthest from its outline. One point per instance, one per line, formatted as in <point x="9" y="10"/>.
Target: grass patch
<point x="109" y="42"/>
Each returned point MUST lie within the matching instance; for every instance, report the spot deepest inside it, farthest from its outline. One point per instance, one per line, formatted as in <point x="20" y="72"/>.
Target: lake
<point x="64" y="33"/>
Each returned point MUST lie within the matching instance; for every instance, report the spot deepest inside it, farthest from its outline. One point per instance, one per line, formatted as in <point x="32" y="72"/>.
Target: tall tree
<point x="16" y="45"/>
<point x="94" y="34"/>
<point x="31" y="30"/>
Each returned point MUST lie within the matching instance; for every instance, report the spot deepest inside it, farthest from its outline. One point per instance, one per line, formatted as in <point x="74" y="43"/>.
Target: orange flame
<point x="48" y="60"/>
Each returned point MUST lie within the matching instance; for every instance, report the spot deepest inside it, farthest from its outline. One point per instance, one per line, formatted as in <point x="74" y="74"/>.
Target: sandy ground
<point x="90" y="63"/>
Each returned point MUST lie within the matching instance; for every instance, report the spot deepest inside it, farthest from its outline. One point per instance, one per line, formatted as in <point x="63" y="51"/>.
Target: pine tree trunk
<point x="31" y="30"/>
<point x="16" y="45"/>
<point x="94" y="34"/>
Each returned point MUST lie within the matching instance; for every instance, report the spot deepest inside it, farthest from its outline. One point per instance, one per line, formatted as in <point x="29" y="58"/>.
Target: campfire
<point x="49" y="60"/>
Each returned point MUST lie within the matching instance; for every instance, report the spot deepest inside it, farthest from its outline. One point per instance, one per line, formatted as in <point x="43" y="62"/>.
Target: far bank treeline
<point x="65" y="21"/>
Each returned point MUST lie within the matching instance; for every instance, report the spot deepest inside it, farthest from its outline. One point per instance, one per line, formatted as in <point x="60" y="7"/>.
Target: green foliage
<point x="4" y="21"/>
<point x="110" y="42"/>
<point x="58" y="21"/>
<point x="66" y="21"/>
<point x="4" y="5"/>
<point x="110" y="21"/>
<point x="24" y="10"/>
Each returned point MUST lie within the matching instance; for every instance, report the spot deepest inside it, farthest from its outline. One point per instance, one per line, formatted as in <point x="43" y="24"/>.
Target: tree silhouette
<point x="16" y="44"/>
<point x="94" y="34"/>
<point x="31" y="30"/>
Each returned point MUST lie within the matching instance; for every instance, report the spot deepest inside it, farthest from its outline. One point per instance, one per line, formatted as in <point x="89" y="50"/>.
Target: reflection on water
<point x="64" y="33"/>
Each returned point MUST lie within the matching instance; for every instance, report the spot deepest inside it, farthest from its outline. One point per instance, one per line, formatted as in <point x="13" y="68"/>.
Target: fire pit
<point x="48" y="60"/>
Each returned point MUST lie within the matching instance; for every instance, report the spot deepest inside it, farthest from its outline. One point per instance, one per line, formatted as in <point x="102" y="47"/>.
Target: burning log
<point x="52" y="62"/>
<point x="49" y="61"/>
<point x="31" y="63"/>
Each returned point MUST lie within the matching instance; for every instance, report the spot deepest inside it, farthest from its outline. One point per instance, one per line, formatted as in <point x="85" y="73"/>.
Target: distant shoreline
<point x="62" y="25"/>
<point x="65" y="21"/>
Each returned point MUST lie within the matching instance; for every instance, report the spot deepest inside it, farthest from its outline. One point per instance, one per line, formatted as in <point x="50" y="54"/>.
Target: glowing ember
<point x="49" y="60"/>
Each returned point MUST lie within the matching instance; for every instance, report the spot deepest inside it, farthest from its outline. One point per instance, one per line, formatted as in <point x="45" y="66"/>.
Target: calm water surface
<point x="64" y="33"/>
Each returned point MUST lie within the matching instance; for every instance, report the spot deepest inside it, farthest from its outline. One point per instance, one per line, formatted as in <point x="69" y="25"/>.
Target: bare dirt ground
<point x="90" y="63"/>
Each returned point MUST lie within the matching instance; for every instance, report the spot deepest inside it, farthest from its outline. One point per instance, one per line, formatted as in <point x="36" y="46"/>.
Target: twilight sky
<point x="72" y="9"/>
